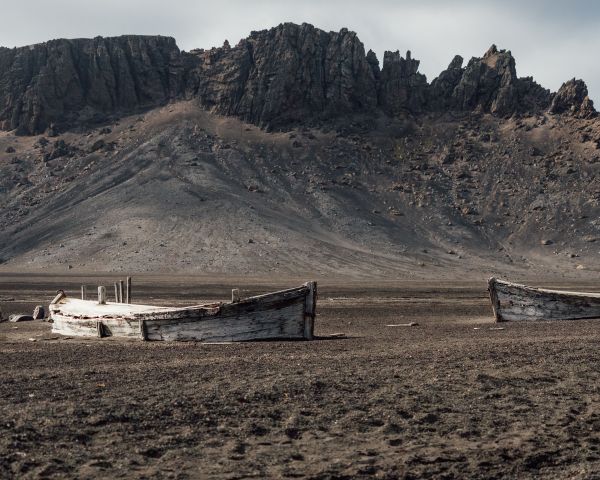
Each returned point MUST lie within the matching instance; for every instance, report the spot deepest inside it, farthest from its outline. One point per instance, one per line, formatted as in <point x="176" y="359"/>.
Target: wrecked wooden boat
<point x="286" y="314"/>
<point x="512" y="301"/>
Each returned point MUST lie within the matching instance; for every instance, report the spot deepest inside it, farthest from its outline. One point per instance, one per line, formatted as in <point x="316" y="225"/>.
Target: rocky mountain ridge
<point x="278" y="78"/>
<point x="291" y="153"/>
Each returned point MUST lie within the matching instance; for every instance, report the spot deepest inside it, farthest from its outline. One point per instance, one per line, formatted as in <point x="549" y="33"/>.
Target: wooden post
<point x="102" y="295"/>
<point x="235" y="295"/>
<point x="59" y="296"/>
<point x="143" y="330"/>
<point x="128" y="291"/>
<point x="310" y="306"/>
<point x="120" y="291"/>
<point x="116" y="293"/>
<point x="494" y="299"/>
<point x="83" y="292"/>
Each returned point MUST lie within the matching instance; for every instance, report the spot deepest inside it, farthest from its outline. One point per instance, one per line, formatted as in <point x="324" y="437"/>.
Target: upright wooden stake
<point x="310" y="306"/>
<point x="116" y="293"/>
<point x="128" y="290"/>
<point x="120" y="291"/>
<point x="102" y="295"/>
<point x="83" y="292"/>
<point x="235" y="295"/>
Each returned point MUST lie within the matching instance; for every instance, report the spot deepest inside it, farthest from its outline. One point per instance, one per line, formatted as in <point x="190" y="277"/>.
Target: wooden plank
<point x="59" y="296"/>
<point x="67" y="326"/>
<point x="235" y="295"/>
<point x="283" y="324"/>
<point x="494" y="299"/>
<point x="143" y="330"/>
<point x="102" y="295"/>
<point x="310" y="310"/>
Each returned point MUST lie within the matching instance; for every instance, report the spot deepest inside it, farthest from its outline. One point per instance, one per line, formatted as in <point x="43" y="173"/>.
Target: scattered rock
<point x="97" y="145"/>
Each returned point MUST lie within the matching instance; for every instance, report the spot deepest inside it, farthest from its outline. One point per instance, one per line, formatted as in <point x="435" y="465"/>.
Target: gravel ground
<point x="452" y="397"/>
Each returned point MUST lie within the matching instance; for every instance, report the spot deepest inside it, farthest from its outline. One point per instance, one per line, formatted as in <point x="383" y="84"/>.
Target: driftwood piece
<point x="514" y="302"/>
<point x="39" y="312"/>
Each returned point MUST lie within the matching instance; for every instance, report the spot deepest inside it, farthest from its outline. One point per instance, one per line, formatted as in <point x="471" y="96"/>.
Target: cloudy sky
<point x="552" y="41"/>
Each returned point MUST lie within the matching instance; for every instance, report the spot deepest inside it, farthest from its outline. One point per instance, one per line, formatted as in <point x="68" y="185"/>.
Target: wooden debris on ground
<point x="19" y="318"/>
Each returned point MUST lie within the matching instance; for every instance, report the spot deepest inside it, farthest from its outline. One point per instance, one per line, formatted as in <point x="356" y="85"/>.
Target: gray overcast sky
<point x="552" y="41"/>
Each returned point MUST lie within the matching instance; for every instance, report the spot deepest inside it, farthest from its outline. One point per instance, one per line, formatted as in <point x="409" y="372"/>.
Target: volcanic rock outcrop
<point x="67" y="81"/>
<point x="287" y="74"/>
<point x="487" y="84"/>
<point x="401" y="87"/>
<point x="275" y="78"/>
<point x="572" y="98"/>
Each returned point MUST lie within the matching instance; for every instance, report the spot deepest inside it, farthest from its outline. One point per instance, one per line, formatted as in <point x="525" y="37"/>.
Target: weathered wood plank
<point x="286" y="323"/>
<point x="310" y="304"/>
<point x="235" y="295"/>
<point x="59" y="296"/>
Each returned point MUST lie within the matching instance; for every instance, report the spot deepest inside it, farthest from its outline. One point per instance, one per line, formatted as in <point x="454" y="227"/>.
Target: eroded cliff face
<point x="62" y="82"/>
<point x="489" y="84"/>
<point x="572" y="98"/>
<point x="277" y="78"/>
<point x="287" y="74"/>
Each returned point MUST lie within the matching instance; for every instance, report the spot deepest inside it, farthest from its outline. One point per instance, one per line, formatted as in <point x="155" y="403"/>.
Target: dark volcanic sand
<point x="438" y="400"/>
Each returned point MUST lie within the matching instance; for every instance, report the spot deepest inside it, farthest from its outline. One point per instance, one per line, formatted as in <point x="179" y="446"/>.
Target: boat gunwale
<point x="202" y="310"/>
<point x="494" y="281"/>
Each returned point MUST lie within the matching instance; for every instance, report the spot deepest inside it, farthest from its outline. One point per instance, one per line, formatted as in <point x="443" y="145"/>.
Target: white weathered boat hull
<point x="515" y="302"/>
<point x="288" y="314"/>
